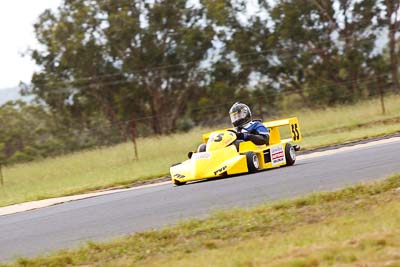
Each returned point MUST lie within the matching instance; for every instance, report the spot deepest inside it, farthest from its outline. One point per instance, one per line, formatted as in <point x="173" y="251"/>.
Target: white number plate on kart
<point x="201" y="155"/>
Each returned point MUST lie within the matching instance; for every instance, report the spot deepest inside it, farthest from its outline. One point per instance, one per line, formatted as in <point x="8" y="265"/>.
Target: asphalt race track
<point x="105" y="217"/>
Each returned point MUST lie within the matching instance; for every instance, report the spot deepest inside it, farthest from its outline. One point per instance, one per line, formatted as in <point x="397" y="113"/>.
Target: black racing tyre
<point x="177" y="183"/>
<point x="202" y="148"/>
<point x="290" y="154"/>
<point x="253" y="164"/>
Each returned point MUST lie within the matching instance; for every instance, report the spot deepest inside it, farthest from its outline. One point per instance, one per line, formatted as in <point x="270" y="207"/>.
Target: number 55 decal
<point x="218" y="138"/>
<point x="295" y="132"/>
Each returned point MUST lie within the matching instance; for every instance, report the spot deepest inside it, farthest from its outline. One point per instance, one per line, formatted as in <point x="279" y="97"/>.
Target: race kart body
<point x="225" y="155"/>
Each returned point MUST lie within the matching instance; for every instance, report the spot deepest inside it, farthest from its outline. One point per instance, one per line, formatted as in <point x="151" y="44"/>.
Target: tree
<point x="125" y="57"/>
<point x="391" y="21"/>
<point x="25" y="132"/>
<point x="316" y="49"/>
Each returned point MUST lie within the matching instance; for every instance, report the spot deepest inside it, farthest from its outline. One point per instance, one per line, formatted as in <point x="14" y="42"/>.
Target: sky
<point x="17" y="36"/>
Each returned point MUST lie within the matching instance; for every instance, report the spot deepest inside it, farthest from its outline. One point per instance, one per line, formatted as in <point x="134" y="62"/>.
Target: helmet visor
<point x="238" y="115"/>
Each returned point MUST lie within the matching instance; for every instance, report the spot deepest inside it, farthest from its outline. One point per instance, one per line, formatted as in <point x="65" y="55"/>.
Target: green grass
<point x="354" y="134"/>
<point x="314" y="121"/>
<point x="354" y="226"/>
<point x="113" y="166"/>
<point x="94" y="169"/>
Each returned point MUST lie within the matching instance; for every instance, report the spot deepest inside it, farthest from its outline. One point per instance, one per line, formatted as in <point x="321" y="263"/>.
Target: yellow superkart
<point x="224" y="156"/>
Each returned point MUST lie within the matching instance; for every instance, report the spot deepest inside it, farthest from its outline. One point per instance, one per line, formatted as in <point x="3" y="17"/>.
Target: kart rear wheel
<point x="290" y="154"/>
<point x="253" y="164"/>
<point x="178" y="183"/>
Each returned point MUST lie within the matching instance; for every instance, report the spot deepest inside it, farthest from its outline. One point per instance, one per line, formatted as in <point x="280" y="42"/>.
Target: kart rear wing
<point x="275" y="135"/>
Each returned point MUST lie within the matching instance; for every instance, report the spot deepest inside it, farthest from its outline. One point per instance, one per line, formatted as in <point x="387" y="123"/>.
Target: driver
<point x="247" y="129"/>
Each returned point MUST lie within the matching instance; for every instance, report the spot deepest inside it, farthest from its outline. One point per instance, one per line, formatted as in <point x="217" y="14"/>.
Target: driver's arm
<point x="258" y="139"/>
<point x="260" y="135"/>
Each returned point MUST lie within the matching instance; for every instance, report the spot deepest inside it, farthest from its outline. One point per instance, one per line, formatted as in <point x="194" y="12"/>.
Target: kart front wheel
<point x="290" y="154"/>
<point x="178" y="183"/>
<point x="252" y="161"/>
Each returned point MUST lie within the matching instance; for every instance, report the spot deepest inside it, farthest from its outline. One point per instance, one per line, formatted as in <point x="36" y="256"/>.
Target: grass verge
<point x="114" y="166"/>
<point x="356" y="226"/>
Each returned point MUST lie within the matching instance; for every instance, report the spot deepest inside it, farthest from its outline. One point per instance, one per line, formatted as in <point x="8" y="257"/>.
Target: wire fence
<point x="143" y="154"/>
<point x="211" y="114"/>
<point x="1" y="174"/>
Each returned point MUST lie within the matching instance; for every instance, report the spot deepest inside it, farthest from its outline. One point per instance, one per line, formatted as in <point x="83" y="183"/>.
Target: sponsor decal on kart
<point x="220" y="170"/>
<point x="228" y="142"/>
<point x="201" y="155"/>
<point x="179" y="176"/>
<point x="277" y="155"/>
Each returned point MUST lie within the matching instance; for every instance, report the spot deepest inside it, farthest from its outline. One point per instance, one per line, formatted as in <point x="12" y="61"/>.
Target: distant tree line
<point x="137" y="67"/>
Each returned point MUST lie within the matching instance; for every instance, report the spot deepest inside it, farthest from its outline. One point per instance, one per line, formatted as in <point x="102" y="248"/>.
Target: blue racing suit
<point x="254" y="131"/>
